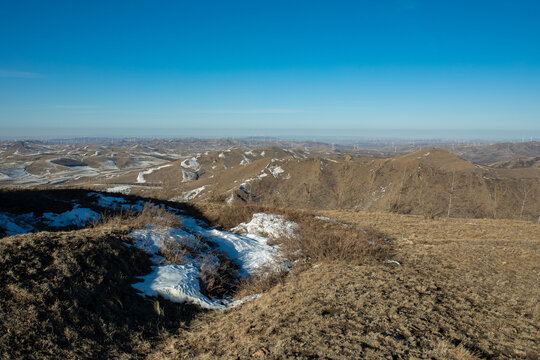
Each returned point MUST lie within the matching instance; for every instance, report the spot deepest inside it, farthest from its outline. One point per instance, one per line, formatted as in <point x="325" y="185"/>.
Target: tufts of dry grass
<point x="150" y="215"/>
<point x="262" y="281"/>
<point x="219" y="275"/>
<point x="316" y="239"/>
<point x="320" y="240"/>
<point x="69" y="295"/>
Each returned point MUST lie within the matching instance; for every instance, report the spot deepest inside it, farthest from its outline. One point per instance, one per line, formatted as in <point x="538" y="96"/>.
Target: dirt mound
<point x="69" y="295"/>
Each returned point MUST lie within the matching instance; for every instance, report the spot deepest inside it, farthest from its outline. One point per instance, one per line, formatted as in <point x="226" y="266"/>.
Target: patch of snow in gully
<point x="179" y="283"/>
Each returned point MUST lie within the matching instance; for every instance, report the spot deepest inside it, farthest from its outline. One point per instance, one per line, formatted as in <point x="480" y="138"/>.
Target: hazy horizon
<point x="326" y="135"/>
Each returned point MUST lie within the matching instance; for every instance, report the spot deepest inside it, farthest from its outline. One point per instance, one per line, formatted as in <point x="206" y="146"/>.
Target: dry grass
<point x="69" y="295"/>
<point x="465" y="290"/>
<point x="219" y="275"/>
<point x="320" y="240"/>
<point x="263" y="281"/>
<point x="150" y="215"/>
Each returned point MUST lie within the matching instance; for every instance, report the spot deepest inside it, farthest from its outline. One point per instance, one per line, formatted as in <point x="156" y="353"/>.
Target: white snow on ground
<point x="17" y="224"/>
<point x="78" y="217"/>
<point x="276" y="170"/>
<point x="189" y="195"/>
<point x="245" y="161"/>
<point x="188" y="175"/>
<point x="325" y="218"/>
<point x="250" y="251"/>
<point x="117" y="203"/>
<point x="140" y="177"/>
<point x="179" y="283"/>
<point x="122" y="189"/>
<point x="263" y="153"/>
<point x="190" y="164"/>
<point x="221" y="155"/>
<point x="153" y="238"/>
<point x="262" y="224"/>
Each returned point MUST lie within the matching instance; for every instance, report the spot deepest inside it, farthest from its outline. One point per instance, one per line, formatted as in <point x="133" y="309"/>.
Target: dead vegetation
<point x="464" y="290"/>
<point x="69" y="295"/>
<point x="458" y="289"/>
<point x="151" y="214"/>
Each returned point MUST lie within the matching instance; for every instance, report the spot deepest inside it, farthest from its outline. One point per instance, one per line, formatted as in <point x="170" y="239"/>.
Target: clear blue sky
<point x="408" y="68"/>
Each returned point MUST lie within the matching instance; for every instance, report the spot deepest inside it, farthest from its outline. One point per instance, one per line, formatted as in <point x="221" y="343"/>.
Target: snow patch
<point x="122" y="189"/>
<point x="189" y="195"/>
<point x="262" y="224"/>
<point x="77" y="217"/>
<point x="113" y="202"/>
<point x="275" y="170"/>
<point x="177" y="283"/>
<point x="17" y="224"/>
<point x="140" y="177"/>
<point x="180" y="283"/>
<point x="190" y="164"/>
<point x="188" y="176"/>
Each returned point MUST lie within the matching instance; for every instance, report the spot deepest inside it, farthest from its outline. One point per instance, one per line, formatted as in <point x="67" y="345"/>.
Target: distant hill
<point x="490" y="154"/>
<point x="503" y="181"/>
<point x="521" y="162"/>
<point x="430" y="182"/>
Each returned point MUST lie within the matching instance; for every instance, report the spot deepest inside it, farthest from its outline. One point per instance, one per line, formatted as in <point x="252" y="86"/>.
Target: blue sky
<point x="386" y="68"/>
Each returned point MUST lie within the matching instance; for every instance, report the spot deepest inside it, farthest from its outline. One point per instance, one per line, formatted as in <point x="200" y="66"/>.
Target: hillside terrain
<point x="226" y="249"/>
<point x="363" y="285"/>
<point x="430" y="182"/>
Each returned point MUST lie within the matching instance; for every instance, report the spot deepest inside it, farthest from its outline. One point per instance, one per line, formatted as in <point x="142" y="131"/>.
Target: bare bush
<point x="218" y="275"/>
<point x="265" y="279"/>
<point x="322" y="240"/>
<point x="150" y="215"/>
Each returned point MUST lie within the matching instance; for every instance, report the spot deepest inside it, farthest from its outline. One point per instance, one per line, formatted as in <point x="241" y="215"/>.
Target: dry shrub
<point x="156" y="215"/>
<point x="322" y="240"/>
<point x="150" y="215"/>
<point x="264" y="280"/>
<point x="218" y="275"/>
<point x="445" y="350"/>
<point x="234" y="214"/>
<point x="174" y="251"/>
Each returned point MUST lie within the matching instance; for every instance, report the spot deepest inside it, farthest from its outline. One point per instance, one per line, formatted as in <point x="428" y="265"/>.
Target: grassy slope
<point x="69" y="294"/>
<point x="466" y="289"/>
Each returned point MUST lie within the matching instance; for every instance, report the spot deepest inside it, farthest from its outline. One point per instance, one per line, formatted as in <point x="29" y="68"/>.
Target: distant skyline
<point x="389" y="68"/>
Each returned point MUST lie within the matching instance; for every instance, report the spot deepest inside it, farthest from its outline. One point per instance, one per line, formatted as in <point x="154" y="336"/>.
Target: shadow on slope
<point x="69" y="293"/>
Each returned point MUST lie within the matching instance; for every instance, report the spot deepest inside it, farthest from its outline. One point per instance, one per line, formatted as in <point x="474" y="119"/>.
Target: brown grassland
<point x="462" y="289"/>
